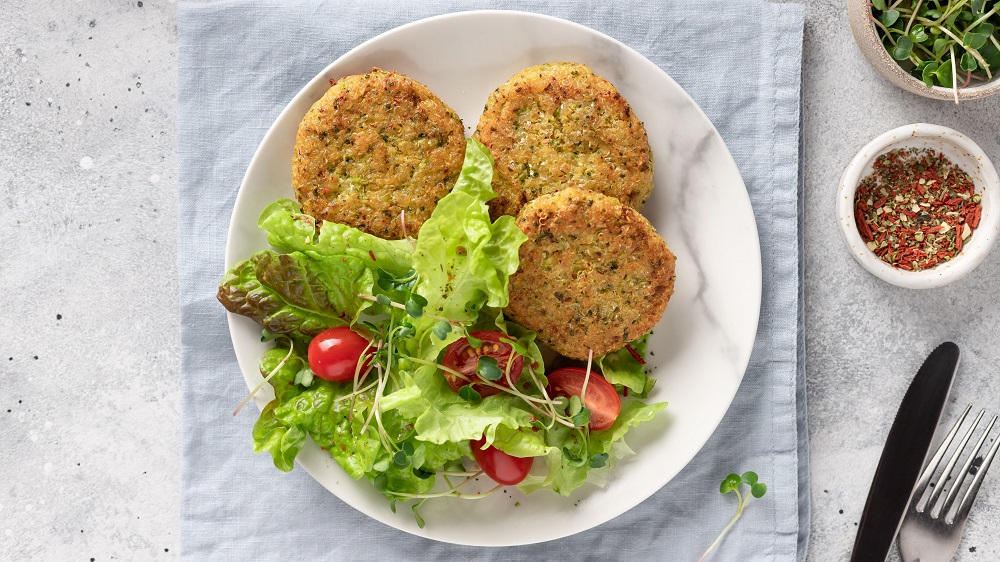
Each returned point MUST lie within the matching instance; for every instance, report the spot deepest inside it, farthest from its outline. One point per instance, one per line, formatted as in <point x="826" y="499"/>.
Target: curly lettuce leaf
<point x="569" y="465"/>
<point x="297" y="294"/>
<point x="317" y="411"/>
<point x="621" y="368"/>
<point x="291" y="230"/>
<point x="464" y="261"/>
<point x="282" y="441"/>
<point x="441" y="416"/>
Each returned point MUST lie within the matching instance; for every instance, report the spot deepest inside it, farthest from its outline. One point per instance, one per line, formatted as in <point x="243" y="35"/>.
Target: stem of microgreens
<point x="451" y="491"/>
<point x="291" y="348"/>
<point x="979" y="58"/>
<point x="529" y="400"/>
<point x="740" y="504"/>
<point x="450" y="494"/>
<point x="913" y="15"/>
<point x="983" y="18"/>
<point x="948" y="11"/>
<point x="400" y="306"/>
<point x="358" y="378"/>
<point x="884" y="28"/>
<point x="586" y="378"/>
<point x="954" y="75"/>
<point x="356" y="392"/>
<point x="950" y="34"/>
<point x="545" y="394"/>
<point x="378" y="390"/>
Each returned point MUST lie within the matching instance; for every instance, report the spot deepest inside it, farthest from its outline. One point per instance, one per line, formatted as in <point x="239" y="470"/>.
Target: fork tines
<point x="975" y="463"/>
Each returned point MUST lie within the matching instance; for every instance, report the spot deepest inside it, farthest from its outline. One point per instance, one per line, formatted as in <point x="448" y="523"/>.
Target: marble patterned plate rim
<point x="318" y="464"/>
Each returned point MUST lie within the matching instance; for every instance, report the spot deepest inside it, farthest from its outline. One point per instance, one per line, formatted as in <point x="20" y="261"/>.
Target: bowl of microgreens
<point x="942" y="49"/>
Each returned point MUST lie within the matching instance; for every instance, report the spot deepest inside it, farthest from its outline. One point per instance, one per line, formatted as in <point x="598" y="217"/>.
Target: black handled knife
<point x="904" y="454"/>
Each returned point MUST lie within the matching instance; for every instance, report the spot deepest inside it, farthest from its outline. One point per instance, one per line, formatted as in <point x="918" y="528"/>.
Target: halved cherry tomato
<point x="334" y="353"/>
<point x="498" y="465"/>
<point x="464" y="358"/>
<point x="602" y="399"/>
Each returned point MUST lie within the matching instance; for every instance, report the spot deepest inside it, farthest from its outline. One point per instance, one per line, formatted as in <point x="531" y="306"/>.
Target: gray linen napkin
<point x="242" y="61"/>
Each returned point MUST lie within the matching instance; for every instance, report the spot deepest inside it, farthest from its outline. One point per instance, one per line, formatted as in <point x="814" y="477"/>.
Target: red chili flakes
<point x="916" y="209"/>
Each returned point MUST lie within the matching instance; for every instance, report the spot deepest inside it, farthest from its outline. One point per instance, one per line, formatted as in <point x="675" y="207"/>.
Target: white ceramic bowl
<point x="958" y="148"/>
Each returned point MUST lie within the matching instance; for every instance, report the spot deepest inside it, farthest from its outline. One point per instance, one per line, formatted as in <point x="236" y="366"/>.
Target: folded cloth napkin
<point x="242" y="61"/>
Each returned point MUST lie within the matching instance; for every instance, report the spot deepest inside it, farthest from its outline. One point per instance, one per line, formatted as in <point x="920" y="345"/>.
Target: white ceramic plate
<point x="700" y="205"/>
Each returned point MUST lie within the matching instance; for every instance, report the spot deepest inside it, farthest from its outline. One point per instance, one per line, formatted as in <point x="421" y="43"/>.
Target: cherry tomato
<point x="334" y="353"/>
<point x="498" y="465"/>
<point x="602" y="399"/>
<point x="464" y="358"/>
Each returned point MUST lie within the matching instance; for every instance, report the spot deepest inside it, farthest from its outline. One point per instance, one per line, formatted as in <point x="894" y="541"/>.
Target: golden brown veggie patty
<point x="375" y="145"/>
<point x="560" y="125"/>
<point x="594" y="273"/>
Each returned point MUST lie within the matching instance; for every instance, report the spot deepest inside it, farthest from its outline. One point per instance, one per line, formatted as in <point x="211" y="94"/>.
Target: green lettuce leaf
<point x="464" y="261"/>
<point x="315" y="411"/>
<point x="621" y="368"/>
<point x="569" y="464"/>
<point x="291" y="230"/>
<point x="282" y="441"/>
<point x="442" y="416"/>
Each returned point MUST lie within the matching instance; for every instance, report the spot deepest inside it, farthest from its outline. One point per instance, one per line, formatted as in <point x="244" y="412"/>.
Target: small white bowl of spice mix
<point x="919" y="206"/>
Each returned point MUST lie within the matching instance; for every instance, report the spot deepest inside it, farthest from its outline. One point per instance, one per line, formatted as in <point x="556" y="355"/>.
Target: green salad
<point x="394" y="356"/>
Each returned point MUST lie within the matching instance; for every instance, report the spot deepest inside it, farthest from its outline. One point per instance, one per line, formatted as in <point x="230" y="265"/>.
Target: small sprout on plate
<point x="599" y="460"/>
<point x="406" y="330"/>
<point x="441" y="329"/>
<point x="575" y="405"/>
<point x="469" y="394"/>
<point x="570" y="454"/>
<point x="733" y="483"/>
<point x="416" y="515"/>
<point x="421" y="473"/>
<point x="383" y="300"/>
<point x="581" y="418"/>
<point x="400" y="458"/>
<point x="304" y="377"/>
<point x="415" y="305"/>
<point x="474" y="342"/>
<point x="488" y="369"/>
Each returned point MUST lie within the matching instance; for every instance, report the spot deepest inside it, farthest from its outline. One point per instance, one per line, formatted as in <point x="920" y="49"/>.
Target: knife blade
<point x="904" y="454"/>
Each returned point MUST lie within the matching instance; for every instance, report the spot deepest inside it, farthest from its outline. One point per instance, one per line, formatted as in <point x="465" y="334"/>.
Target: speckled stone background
<point x="89" y="347"/>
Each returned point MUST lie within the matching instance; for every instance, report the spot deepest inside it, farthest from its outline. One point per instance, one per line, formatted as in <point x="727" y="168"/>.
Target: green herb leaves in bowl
<point x="953" y="43"/>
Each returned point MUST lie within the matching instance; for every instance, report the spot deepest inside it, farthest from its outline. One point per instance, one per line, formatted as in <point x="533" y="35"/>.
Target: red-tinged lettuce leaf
<point x="294" y="294"/>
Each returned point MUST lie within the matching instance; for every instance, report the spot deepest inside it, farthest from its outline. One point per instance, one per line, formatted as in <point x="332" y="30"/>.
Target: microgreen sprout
<point x="274" y="371"/>
<point x="937" y="41"/>
<point x="441" y="329"/>
<point x="469" y="394"/>
<point x="488" y="368"/>
<point x="733" y="483"/>
<point x="304" y="377"/>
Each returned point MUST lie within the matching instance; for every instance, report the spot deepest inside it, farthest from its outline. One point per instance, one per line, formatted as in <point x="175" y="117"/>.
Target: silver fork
<point x="932" y="528"/>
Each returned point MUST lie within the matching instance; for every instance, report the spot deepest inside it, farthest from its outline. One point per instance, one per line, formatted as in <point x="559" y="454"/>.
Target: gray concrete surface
<point x="89" y="406"/>
<point x="89" y="381"/>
